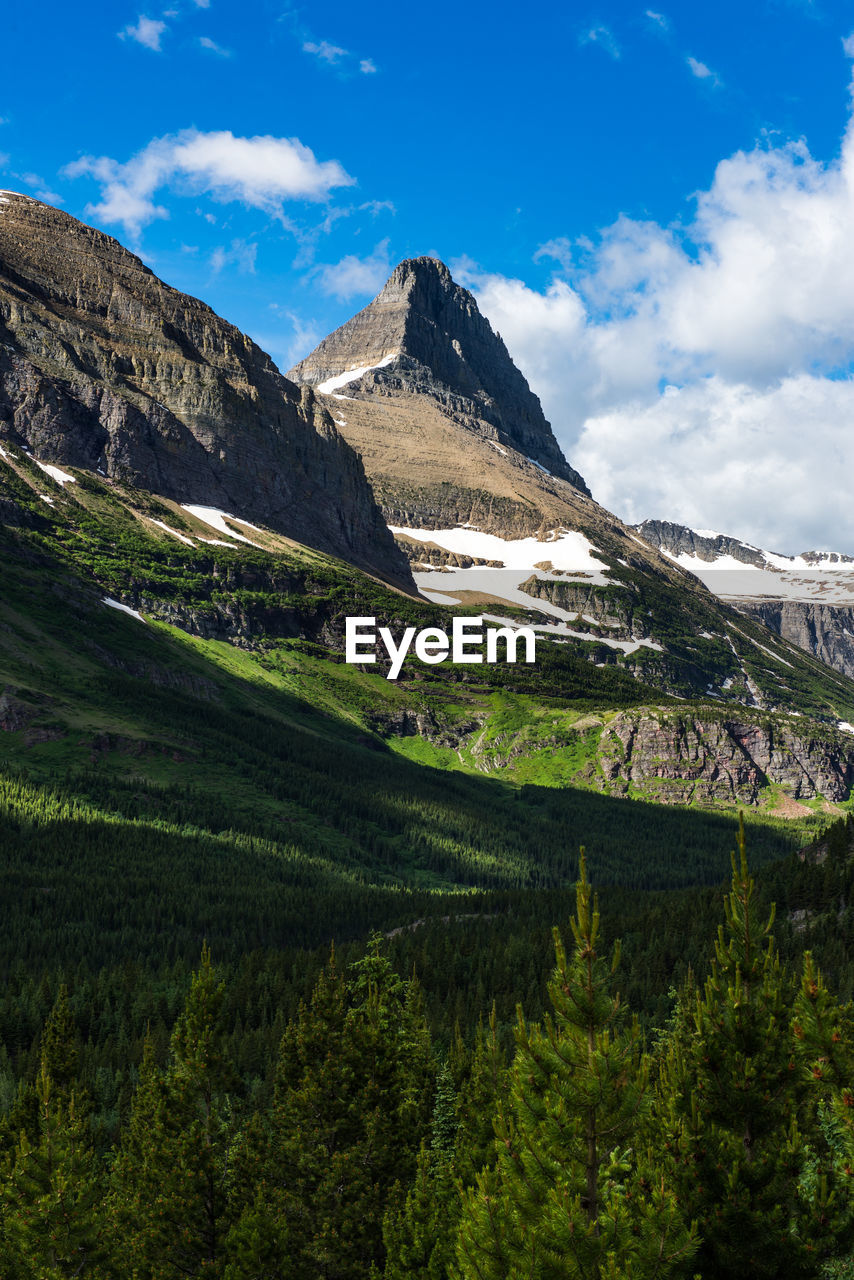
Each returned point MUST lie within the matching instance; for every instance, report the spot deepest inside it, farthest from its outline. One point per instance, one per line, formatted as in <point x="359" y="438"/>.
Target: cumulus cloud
<point x="147" y="32"/>
<point x="353" y="276"/>
<point x="262" y="172"/>
<point x="704" y="373"/>
<point x="40" y="189"/>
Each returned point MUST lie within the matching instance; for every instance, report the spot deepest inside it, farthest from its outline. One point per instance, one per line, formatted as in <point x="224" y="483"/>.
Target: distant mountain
<point x="807" y="599"/>
<point x="105" y="367"/>
<point x="424" y="335"/>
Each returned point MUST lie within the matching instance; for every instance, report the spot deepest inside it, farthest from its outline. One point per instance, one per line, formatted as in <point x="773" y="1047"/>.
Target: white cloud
<point x="203" y="4"/>
<point x="213" y="47"/>
<point x="602" y="37"/>
<point x="748" y="311"/>
<point x="702" y="72"/>
<point x="368" y="67"/>
<point x="659" y="19"/>
<point x="354" y="276"/>
<point x="326" y="52"/>
<point x="262" y="172"/>
<point x="769" y="465"/>
<point x="4" y="159"/>
<point x="147" y="32"/>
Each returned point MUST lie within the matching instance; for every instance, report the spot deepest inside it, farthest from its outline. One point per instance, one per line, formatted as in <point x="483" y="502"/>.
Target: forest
<point x="339" y="1113"/>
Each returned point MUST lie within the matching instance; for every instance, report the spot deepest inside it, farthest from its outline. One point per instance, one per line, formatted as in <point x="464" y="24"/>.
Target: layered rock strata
<point x="105" y="367"/>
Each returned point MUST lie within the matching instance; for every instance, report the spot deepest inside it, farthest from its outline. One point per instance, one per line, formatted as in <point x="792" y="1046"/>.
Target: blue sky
<point x="651" y="204"/>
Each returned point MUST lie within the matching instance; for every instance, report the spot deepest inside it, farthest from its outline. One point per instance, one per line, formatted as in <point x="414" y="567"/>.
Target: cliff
<point x="105" y="367"/>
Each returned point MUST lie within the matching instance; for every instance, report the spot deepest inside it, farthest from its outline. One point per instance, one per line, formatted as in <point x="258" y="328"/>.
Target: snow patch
<point x="540" y="467"/>
<point x="216" y="519"/>
<point x="61" y="477"/>
<point x="498" y="449"/>
<point x="351" y="375"/>
<point x="845" y="726"/>
<point x="438" y="597"/>
<point x="8" y="457"/>
<point x="123" y="608"/>
<point x="175" y="534"/>
<point x="565" y="548"/>
<point x="694" y="564"/>
<point x="44" y="497"/>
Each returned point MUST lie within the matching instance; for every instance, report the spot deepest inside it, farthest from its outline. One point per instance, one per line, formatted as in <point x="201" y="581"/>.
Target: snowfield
<point x="567" y="549"/>
<point x="351" y="375"/>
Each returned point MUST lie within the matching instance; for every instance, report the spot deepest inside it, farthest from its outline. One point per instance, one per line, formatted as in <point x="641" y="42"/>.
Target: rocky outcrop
<point x="826" y="631"/>
<point x="679" y="758"/>
<point x="105" y="367"/>
<point x="678" y="540"/>
<point x="430" y="339"/>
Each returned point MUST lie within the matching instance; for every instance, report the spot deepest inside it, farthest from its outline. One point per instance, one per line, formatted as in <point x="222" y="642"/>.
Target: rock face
<point x="679" y="540"/>
<point x="105" y="367"/>
<point x="683" y="758"/>
<point x="825" y="631"/>
<point x="424" y="335"/>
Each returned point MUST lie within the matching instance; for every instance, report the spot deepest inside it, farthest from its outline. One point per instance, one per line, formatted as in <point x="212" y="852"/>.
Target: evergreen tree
<point x="567" y="1196"/>
<point x="51" y="1201"/>
<point x="729" y="1102"/>
<point x="352" y="1090"/>
<point x="169" y="1202"/>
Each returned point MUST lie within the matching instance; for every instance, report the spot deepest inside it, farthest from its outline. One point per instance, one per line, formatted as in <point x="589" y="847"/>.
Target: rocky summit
<point x="105" y="367"/>
<point x="424" y="336"/>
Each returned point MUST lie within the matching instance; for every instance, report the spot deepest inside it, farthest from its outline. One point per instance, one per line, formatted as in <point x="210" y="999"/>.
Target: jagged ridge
<point x="443" y="347"/>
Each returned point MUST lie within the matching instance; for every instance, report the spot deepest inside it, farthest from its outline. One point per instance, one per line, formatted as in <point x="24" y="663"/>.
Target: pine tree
<point x="730" y="1095"/>
<point x="419" y="1233"/>
<point x="169" y="1202"/>
<point x="568" y="1197"/>
<point x="51" y="1201"/>
<point x="353" y="1086"/>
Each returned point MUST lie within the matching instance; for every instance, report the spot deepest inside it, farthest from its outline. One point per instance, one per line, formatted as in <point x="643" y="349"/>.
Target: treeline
<point x="350" y="1140"/>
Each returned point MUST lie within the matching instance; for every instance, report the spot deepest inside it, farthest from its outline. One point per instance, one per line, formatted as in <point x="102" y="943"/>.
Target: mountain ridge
<point x="103" y="366"/>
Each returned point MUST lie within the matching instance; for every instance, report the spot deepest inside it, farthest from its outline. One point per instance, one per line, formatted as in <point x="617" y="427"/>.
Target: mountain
<point x="424" y="337"/>
<point x="105" y="367"/>
<point x="150" y="451"/>
<point x="807" y="599"/>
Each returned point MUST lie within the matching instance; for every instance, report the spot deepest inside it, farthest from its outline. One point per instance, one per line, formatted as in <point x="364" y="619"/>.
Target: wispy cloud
<point x="560" y="249"/>
<point x="368" y="67"/>
<point x="353" y="276"/>
<point x="202" y="4"/>
<point x="702" y="72"/>
<point x="660" y="19"/>
<point x="241" y="254"/>
<point x="147" y="32"/>
<point x="326" y="52"/>
<point x="261" y="172"/>
<point x="213" y="47"/>
<point x="602" y="37"/>
<point x="40" y="189"/>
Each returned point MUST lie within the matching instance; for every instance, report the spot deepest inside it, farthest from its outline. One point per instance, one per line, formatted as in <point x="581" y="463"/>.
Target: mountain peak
<point x="425" y="332"/>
